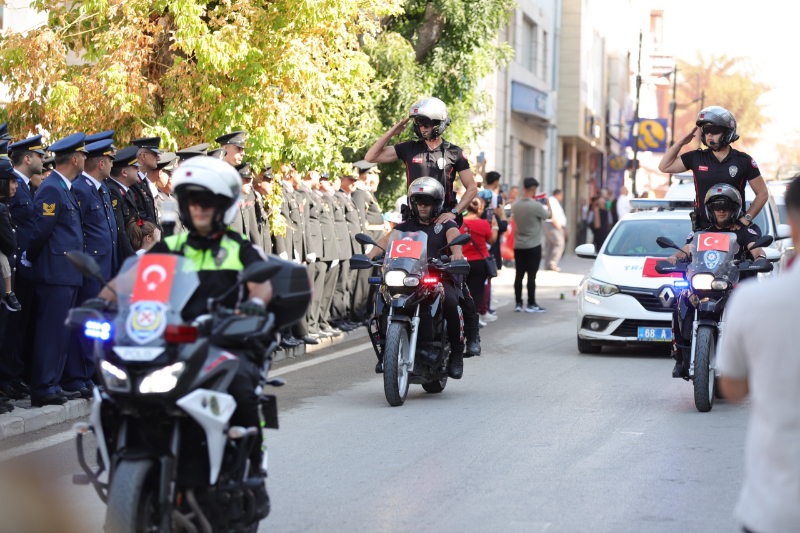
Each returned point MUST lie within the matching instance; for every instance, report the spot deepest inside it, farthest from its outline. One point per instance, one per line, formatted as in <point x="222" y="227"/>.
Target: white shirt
<point x="760" y="344"/>
<point x="558" y="211"/>
<point x="623" y="206"/>
<point x="124" y="188"/>
<point x="65" y="180"/>
<point x="92" y="180"/>
<point x="25" y="178"/>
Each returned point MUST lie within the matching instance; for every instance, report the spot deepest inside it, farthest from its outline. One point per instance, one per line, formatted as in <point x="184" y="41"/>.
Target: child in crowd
<point x="8" y="243"/>
<point x="143" y="235"/>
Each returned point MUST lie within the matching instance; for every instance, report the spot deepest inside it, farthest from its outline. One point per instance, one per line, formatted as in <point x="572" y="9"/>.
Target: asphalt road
<point x="535" y="438"/>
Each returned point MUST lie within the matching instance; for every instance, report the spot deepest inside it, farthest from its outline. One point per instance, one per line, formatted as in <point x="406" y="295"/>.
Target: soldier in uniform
<point x="284" y="245"/>
<point x="343" y="296"/>
<point x="193" y="151"/>
<point x="166" y="165"/>
<point x="27" y="156"/>
<point x="308" y="331"/>
<point x="100" y="235"/>
<point x="123" y="175"/>
<point x="149" y="151"/>
<point x="247" y="221"/>
<point x="338" y="310"/>
<point x="372" y="219"/>
<point x="234" y="145"/>
<point x="57" y="229"/>
<point x="218" y="153"/>
<point x="330" y="254"/>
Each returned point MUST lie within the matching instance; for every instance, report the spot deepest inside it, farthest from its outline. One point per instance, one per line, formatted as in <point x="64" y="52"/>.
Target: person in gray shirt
<point x="767" y="367"/>
<point x="529" y="215"/>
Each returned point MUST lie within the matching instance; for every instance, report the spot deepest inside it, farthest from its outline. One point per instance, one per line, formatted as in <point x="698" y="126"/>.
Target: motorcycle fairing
<point x="212" y="410"/>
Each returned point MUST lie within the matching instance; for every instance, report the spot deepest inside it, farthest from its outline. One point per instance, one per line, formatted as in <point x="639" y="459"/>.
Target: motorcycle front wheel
<point x="133" y="498"/>
<point x="704" y="363"/>
<point x="395" y="364"/>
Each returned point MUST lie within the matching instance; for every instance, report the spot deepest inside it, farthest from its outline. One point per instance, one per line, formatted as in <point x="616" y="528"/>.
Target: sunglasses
<point x="424" y="201"/>
<point x="713" y="130"/>
<point x="203" y="200"/>
<point x="426" y="122"/>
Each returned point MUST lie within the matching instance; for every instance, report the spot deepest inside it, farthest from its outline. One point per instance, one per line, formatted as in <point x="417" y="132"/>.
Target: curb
<point x="26" y="419"/>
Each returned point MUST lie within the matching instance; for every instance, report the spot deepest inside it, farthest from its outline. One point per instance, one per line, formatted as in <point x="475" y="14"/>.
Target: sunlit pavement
<point x="536" y="437"/>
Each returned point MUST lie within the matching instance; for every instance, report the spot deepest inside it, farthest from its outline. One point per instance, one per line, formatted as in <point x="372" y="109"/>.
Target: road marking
<point x="319" y="360"/>
<point x="35" y="446"/>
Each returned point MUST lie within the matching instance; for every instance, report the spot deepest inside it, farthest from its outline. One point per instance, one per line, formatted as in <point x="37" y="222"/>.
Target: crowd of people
<point x="82" y="193"/>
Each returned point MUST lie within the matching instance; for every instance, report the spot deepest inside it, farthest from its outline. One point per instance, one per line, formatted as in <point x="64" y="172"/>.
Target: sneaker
<point x="481" y="323"/>
<point x="488" y="317"/>
<point x="11" y="302"/>
<point x="518" y="308"/>
<point x="535" y="309"/>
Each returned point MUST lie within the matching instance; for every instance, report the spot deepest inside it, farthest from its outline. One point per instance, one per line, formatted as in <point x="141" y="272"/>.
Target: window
<point x="528" y="154"/>
<point x="544" y="55"/>
<point x="529" y="45"/>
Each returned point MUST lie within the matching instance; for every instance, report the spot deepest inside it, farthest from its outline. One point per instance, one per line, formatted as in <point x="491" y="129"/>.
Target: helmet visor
<point x="721" y="204"/>
<point x="425" y="122"/>
<point x="203" y="199"/>
<point x="423" y="200"/>
<point x="713" y="129"/>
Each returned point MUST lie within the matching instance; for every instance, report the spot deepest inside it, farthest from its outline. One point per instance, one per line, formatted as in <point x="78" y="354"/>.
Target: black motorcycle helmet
<point x="720" y="120"/>
<point x="427" y="188"/>
<point x="432" y="111"/>
<point x="723" y="196"/>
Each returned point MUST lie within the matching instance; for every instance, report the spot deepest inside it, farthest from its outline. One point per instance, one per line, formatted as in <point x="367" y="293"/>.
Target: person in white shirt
<point x="623" y="203"/>
<point x="758" y="356"/>
<point x="555" y="231"/>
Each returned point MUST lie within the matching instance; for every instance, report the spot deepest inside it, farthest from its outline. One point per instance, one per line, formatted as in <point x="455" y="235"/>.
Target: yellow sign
<point x="652" y="135"/>
<point x="49" y="209"/>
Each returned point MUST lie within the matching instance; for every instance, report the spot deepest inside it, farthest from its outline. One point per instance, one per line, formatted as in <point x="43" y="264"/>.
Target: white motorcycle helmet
<point x="208" y="175"/>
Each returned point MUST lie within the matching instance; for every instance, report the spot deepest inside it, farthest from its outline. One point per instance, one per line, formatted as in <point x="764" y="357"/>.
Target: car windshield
<point x="634" y="238"/>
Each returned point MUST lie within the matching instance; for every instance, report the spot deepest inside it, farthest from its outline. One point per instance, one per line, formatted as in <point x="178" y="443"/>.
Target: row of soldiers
<point x="112" y="204"/>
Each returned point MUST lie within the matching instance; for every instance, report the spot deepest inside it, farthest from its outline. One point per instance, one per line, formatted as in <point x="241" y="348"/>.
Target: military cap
<point x="69" y="144"/>
<point x="192" y="151"/>
<point x="49" y="163"/>
<point x="167" y="161"/>
<point x="127" y="157"/>
<point x="244" y="171"/>
<point x="31" y="144"/>
<point x="235" y="138"/>
<point x="4" y="150"/>
<point x="100" y="148"/>
<point x="324" y="175"/>
<point x="4" y="136"/>
<point x="6" y="170"/>
<point x="149" y="143"/>
<point x="101" y="136"/>
<point x="363" y="166"/>
<point x="218" y="153"/>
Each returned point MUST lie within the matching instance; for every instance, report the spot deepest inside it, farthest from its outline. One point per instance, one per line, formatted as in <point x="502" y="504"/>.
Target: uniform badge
<point x="752" y="231"/>
<point x="440" y="163"/>
<point x="691" y="235"/>
<point x="49" y="210"/>
<point x="113" y="203"/>
<point x="220" y="257"/>
<point x="88" y="182"/>
<point x="732" y="170"/>
<point x="437" y="229"/>
<point x="146" y="321"/>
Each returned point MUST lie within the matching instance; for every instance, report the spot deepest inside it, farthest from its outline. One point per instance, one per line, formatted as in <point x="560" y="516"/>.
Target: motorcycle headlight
<point x="702" y="282"/>
<point x="162" y="380"/>
<point x="599" y="288"/>
<point x="114" y="377"/>
<point x="395" y="278"/>
<point x="411" y="281"/>
<point x="719" y="285"/>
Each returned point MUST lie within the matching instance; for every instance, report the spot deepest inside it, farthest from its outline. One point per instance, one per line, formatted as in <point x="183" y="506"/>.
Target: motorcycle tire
<point x="395" y="373"/>
<point x="704" y="362"/>
<point x="435" y="386"/>
<point x="588" y="347"/>
<point x="133" y="498"/>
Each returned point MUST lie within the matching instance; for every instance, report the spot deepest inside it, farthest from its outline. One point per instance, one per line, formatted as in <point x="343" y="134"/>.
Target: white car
<point x="622" y="299"/>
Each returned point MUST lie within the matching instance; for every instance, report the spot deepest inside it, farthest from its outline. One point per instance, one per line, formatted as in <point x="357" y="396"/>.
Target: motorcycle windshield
<point x="152" y="291"/>
<point x="408" y="251"/>
<point x="714" y="253"/>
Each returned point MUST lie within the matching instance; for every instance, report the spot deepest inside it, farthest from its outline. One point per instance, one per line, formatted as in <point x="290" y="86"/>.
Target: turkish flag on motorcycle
<point x="713" y="241"/>
<point x="412" y="249"/>
<point x="154" y="277"/>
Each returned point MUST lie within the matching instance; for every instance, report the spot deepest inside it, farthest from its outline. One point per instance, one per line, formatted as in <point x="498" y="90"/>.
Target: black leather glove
<point x="252" y="309"/>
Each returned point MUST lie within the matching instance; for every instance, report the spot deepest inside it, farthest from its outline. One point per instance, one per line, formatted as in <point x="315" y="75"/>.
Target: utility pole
<point x="673" y="104"/>
<point x="635" y="129"/>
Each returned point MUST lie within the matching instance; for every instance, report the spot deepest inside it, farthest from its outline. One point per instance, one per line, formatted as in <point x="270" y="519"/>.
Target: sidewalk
<point x="25" y="419"/>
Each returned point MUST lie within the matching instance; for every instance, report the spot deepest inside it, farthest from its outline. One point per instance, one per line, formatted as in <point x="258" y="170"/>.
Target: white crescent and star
<point x="706" y="243"/>
<point x="400" y="249"/>
<point x="160" y="270"/>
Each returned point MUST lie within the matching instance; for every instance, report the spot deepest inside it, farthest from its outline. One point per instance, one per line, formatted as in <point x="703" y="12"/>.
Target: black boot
<point x="471" y="330"/>
<point x="455" y="367"/>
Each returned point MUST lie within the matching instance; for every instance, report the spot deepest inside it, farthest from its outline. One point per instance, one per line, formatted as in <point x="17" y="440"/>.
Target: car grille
<point x="648" y="298"/>
<point x="630" y="327"/>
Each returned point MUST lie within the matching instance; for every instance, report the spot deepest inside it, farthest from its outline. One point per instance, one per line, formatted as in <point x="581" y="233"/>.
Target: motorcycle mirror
<point x="85" y="265"/>
<point x="461" y="240"/>
<point x="766" y="240"/>
<point x="365" y="239"/>
<point x="664" y="242"/>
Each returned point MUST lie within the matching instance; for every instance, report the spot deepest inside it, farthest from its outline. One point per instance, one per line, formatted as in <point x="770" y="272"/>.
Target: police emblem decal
<point x="146" y="321"/>
<point x="711" y="259"/>
<point x="440" y="163"/>
<point x="220" y="257"/>
<point x="437" y="229"/>
<point x="732" y="170"/>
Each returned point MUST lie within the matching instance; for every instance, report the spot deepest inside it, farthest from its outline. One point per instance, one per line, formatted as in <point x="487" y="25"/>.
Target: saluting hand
<point x="688" y="138"/>
<point x="399" y="127"/>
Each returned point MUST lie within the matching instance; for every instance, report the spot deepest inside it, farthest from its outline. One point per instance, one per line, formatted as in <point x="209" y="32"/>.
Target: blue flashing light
<point x="98" y="330"/>
<point x="374" y="281"/>
<point x="682" y="284"/>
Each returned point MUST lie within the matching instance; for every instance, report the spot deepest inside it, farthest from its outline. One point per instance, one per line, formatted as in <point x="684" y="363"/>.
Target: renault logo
<point x="666" y="296"/>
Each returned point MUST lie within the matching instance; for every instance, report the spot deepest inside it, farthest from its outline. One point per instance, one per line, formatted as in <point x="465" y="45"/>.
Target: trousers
<point x="51" y="338"/>
<point x="556" y="241"/>
<point x="79" y="368"/>
<point x="526" y="261"/>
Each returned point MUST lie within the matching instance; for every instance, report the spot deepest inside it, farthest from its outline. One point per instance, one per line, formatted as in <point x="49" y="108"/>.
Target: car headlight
<point x="114" y="377"/>
<point x="162" y="380"/>
<point x="395" y="278"/>
<point x="599" y="288"/>
<point x="702" y="282"/>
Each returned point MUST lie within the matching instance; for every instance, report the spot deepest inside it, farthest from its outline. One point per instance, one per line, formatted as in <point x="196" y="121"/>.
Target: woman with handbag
<point x="482" y="265"/>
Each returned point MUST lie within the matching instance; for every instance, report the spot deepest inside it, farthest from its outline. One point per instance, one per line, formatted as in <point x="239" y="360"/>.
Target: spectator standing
<point x="8" y="241"/>
<point x="623" y="203"/>
<point x="600" y="221"/>
<point x="768" y="368"/>
<point x="528" y="217"/>
<point x="476" y="252"/>
<point x="555" y="231"/>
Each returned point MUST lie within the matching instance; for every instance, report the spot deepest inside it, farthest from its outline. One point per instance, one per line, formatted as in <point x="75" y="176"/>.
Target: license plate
<point x="655" y="334"/>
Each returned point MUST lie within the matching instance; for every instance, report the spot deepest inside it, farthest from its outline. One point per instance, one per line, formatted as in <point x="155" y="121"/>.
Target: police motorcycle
<point x="168" y="461"/>
<point x="407" y="329"/>
<point x="709" y="275"/>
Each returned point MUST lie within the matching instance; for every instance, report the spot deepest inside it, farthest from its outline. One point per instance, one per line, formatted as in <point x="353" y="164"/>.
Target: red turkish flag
<point x="412" y="249"/>
<point x="154" y="277"/>
<point x="649" y="270"/>
<point x="714" y="241"/>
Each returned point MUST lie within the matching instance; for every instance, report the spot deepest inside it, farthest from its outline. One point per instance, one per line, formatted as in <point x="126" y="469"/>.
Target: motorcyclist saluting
<point x="718" y="164"/>
<point x="723" y="205"/>
<point x="426" y="200"/>
<point x="208" y="192"/>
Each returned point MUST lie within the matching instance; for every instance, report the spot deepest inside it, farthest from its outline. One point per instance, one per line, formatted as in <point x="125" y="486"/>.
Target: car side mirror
<point x="773" y="255"/>
<point x="784" y="232"/>
<point x="586" y="251"/>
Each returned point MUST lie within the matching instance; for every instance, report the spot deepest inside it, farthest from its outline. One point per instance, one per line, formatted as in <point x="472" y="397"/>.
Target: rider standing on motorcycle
<point x="208" y="192"/>
<point x="426" y="201"/>
<point x="719" y="164"/>
<point x="723" y="205"/>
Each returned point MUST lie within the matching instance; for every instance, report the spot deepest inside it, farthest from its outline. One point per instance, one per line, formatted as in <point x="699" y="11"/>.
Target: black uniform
<point x="744" y="236"/>
<point x="310" y="206"/>
<point x="422" y="162"/>
<point x="125" y="210"/>
<point x="736" y="170"/>
<point x="145" y="203"/>
<point x="330" y="256"/>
